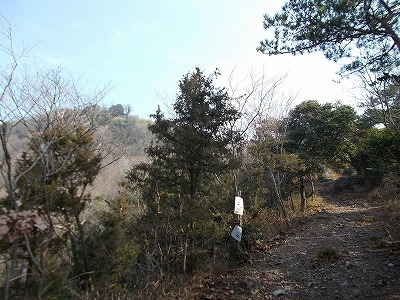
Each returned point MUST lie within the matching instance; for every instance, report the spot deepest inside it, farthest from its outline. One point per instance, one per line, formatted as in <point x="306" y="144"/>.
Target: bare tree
<point x="257" y="97"/>
<point x="7" y="108"/>
<point x="7" y="123"/>
<point x="381" y="98"/>
<point x="38" y="103"/>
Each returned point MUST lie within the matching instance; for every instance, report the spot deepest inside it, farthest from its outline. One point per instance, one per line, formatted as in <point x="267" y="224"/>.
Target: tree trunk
<point x="82" y="247"/>
<point x="311" y="193"/>
<point x="11" y="265"/>
<point x="185" y="253"/>
<point x="279" y="200"/>
<point x="312" y="190"/>
<point x="388" y="27"/>
<point x="303" y="199"/>
<point x="8" y="166"/>
<point x="291" y="201"/>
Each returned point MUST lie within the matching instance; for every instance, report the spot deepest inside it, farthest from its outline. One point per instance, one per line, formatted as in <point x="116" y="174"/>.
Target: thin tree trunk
<point x="185" y="253"/>
<point x="303" y="199"/>
<point x="291" y="201"/>
<point x="10" y="265"/>
<point x="8" y="164"/>
<point x="312" y="190"/>
<point x="278" y="200"/>
<point x="82" y="245"/>
<point x="389" y="29"/>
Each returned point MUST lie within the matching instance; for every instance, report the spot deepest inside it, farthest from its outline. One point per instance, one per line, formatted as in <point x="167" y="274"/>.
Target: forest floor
<point x="346" y="250"/>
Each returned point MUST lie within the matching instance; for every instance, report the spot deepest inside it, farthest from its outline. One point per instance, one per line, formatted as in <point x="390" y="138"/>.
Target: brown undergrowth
<point x="262" y="232"/>
<point x="346" y="247"/>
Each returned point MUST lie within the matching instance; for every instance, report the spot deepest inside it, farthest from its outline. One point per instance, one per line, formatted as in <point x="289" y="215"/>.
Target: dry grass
<point x="388" y="195"/>
<point x="387" y="192"/>
<point x="315" y="205"/>
<point x="392" y="222"/>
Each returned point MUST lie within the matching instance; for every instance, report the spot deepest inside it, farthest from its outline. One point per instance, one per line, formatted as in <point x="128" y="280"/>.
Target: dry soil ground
<point x="341" y="252"/>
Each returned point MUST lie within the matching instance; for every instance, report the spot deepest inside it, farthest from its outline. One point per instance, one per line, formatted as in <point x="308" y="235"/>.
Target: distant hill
<point x="125" y="136"/>
<point x="132" y="135"/>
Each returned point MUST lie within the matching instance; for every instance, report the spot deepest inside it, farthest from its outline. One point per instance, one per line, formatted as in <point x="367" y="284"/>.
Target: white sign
<point x="239" y="207"/>
<point x="237" y="233"/>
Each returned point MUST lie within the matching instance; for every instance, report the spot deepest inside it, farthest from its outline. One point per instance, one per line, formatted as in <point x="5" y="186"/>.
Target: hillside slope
<point x="342" y="252"/>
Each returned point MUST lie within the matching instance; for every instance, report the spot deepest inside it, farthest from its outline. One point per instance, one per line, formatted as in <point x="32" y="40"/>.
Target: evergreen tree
<point x="320" y="135"/>
<point x="66" y="163"/>
<point x="182" y="184"/>
<point x="337" y="28"/>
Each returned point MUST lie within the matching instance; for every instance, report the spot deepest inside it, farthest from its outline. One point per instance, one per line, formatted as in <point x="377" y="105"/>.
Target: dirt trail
<point x="341" y="252"/>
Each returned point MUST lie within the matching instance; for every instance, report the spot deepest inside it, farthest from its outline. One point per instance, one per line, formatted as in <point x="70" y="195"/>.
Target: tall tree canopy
<point x="183" y="184"/>
<point x="194" y="144"/>
<point x="321" y="133"/>
<point x="338" y="28"/>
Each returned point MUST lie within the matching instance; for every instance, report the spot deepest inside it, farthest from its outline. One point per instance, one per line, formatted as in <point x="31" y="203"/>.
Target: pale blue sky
<point x="144" y="47"/>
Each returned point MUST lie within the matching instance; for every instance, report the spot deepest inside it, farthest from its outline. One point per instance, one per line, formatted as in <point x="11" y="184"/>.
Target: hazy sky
<point x="144" y="47"/>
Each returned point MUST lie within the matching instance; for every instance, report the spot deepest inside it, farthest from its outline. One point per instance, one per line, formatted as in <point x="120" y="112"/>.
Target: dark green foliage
<point x="321" y="134"/>
<point x="366" y="34"/>
<point x="378" y="149"/>
<point x="378" y="155"/>
<point x="337" y="28"/>
<point x="195" y="142"/>
<point x="185" y="187"/>
<point x="66" y="162"/>
<point x="288" y="155"/>
<point x="192" y="148"/>
<point x="384" y="145"/>
<point x="54" y="174"/>
<point x="117" y="110"/>
<point x="112" y="247"/>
